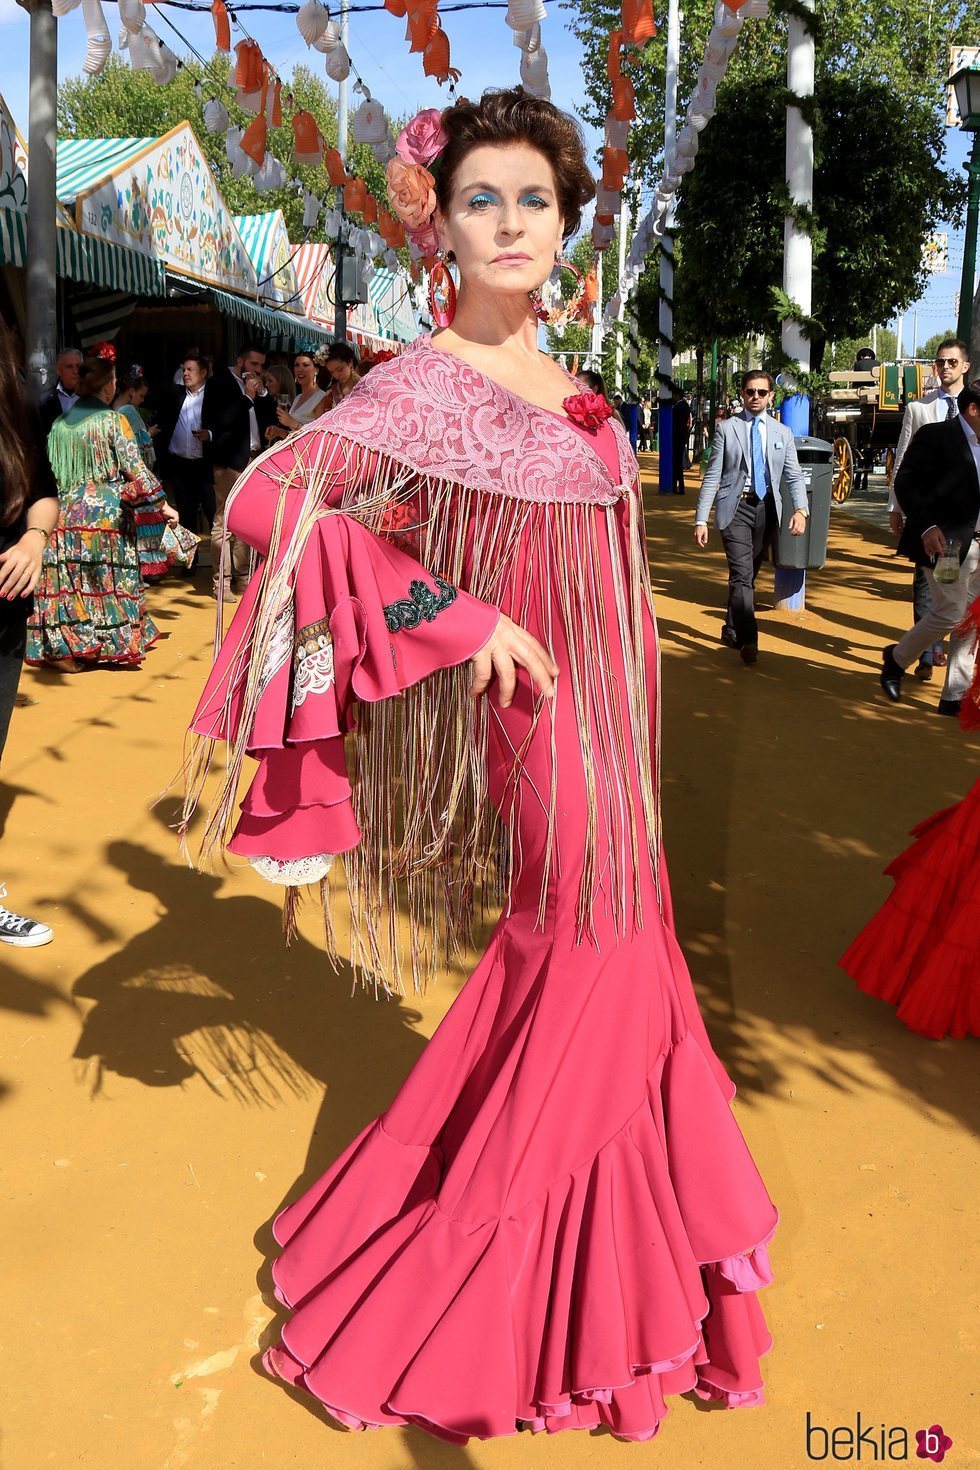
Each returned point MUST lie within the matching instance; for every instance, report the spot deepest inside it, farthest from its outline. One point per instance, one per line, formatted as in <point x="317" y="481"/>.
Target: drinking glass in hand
<point x="947" y="568"/>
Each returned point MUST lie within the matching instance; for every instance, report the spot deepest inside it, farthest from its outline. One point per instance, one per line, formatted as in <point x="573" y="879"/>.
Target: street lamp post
<point x="966" y="86"/>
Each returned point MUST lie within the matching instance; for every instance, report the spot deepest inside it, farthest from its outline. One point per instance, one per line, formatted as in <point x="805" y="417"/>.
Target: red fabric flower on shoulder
<point x="588" y="409"/>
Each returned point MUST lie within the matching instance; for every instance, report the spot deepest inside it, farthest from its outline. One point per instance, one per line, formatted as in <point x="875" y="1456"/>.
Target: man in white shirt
<point x="938" y="490"/>
<point x="753" y="459"/>
<point x="183" y="465"/>
<point x="952" y="368"/>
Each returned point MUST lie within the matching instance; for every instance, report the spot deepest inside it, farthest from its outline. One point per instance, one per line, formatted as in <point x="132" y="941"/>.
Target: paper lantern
<point x="271" y="174"/>
<point x="311" y="210"/>
<point x="639" y="25"/>
<point x="332" y="223"/>
<point x="273" y="105"/>
<point x="215" y="116"/>
<point x="522" y="14"/>
<point x="222" y="26"/>
<point x="602" y="236"/>
<point x="248" y="69"/>
<point x="423" y="22"/>
<point x="391" y="260"/>
<point x="254" y="139"/>
<point x="613" y="68"/>
<point x="370" y="210"/>
<point x="368" y="123"/>
<point x="62" y="7"/>
<point x="306" y="140"/>
<point x="132" y="14"/>
<point x="534" y="73"/>
<point x="336" y="172"/>
<point x="355" y="195"/>
<point x="98" y="43"/>
<point x="435" y="58"/>
<point x="375" y="244"/>
<point x="686" y="145"/>
<point x="398" y="8"/>
<point x="624" y="104"/>
<point x="312" y="19"/>
<point x="338" y="64"/>
<point x="329" y="39"/>
<point x="617" y="132"/>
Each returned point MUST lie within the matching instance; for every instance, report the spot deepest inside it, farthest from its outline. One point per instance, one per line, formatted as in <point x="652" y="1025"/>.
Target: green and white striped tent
<point x="391" y="302"/>
<point x="266" y="239"/>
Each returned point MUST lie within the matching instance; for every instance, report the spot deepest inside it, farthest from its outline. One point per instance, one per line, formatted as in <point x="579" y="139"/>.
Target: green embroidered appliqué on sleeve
<point x="421" y="605"/>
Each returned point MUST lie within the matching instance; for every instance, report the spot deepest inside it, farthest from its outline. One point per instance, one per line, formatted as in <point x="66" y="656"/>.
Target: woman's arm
<point x="20" y="564"/>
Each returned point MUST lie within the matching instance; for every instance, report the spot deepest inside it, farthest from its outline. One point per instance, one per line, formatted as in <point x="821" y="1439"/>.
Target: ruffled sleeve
<point x="358" y="621"/>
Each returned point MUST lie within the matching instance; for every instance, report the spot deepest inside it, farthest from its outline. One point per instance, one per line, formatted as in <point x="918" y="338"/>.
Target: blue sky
<point x="482" y="48"/>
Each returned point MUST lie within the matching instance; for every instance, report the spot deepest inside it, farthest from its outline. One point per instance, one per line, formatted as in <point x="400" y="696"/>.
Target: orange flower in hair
<point x="412" y="192"/>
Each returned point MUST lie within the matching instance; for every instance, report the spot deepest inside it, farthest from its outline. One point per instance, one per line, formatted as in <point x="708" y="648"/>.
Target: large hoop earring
<point x="442" y="293"/>
<point x="562" y="313"/>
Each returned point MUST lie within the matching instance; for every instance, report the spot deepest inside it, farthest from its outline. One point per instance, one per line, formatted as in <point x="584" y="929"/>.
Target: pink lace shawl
<point x="448" y="421"/>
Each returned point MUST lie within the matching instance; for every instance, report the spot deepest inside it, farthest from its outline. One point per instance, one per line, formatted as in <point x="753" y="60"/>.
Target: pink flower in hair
<point x="422" y="139"/>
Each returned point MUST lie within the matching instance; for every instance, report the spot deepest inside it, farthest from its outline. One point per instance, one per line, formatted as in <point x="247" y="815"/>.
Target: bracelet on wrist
<point x="40" y="531"/>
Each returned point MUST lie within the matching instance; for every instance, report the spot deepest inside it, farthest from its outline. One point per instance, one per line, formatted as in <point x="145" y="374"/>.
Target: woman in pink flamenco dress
<point x="557" y="1223"/>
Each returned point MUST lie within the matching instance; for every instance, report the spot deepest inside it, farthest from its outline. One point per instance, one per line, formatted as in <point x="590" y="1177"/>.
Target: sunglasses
<point x="947" y="362"/>
<point x="757" y="392"/>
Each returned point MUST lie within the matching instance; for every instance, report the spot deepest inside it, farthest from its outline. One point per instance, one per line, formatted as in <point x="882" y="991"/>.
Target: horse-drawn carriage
<point x="862" y="416"/>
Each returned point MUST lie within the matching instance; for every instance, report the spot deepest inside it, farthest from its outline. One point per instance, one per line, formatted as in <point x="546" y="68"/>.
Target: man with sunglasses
<point x="753" y="458"/>
<point x="952" y="366"/>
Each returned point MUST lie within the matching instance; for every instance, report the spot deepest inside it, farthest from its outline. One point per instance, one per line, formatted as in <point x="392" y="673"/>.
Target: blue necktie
<point x="758" y="462"/>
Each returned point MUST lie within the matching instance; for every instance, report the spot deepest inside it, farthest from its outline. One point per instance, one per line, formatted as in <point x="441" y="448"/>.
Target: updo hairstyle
<point x="510" y="116"/>
<point x="93" y="375"/>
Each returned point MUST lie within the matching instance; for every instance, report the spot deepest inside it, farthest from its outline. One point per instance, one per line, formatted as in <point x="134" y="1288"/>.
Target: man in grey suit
<point x="752" y="458"/>
<point x="952" y="368"/>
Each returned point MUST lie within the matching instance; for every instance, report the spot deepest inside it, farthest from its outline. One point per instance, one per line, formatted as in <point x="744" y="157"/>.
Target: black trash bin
<point x="808" y="551"/>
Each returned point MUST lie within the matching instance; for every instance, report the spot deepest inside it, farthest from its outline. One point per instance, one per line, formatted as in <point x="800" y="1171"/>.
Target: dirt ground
<point x="169" y="1072"/>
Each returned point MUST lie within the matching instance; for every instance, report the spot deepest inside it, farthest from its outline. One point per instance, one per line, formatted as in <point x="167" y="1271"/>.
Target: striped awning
<point x="99" y="314"/>
<point x="260" y="234"/>
<point x="83" y="162"/>
<point x="314" y="273"/>
<point x="391" y="298"/>
<point x="82" y="258"/>
<point x="279" y="330"/>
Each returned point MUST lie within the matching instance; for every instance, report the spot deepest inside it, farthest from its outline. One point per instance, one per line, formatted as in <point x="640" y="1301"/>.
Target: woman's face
<point x="340" y="371"/>
<point x="271" y="381"/>
<point x="304" y="371"/>
<point x="503" y="222"/>
<point x="138" y="396"/>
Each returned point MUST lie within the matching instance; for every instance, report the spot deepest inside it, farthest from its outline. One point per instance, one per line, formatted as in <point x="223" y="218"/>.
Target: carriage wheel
<point x="843" y="470"/>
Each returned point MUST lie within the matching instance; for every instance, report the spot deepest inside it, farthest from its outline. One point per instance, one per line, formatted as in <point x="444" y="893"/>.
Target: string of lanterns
<point x="721" y="43"/>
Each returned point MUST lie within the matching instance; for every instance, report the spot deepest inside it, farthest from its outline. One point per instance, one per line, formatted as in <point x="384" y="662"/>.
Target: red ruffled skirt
<point x="921" y="951"/>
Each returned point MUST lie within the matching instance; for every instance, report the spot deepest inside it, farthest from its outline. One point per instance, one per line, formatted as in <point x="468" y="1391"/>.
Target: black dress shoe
<point x="949" y="707"/>
<point x="923" y="672"/>
<point x="891" y="674"/>
<point x="749" y="652"/>
<point x="728" y="636"/>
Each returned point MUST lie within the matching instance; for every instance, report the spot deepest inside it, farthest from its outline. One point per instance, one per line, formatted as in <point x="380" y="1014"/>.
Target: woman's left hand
<point x="171" y="516"/>
<point x="20" y="566"/>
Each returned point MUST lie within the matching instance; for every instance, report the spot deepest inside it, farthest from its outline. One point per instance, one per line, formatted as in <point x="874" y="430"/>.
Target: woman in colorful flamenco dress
<point x="90" y="601"/>
<point x="557" y="1223"/>
<point x="921" y="950"/>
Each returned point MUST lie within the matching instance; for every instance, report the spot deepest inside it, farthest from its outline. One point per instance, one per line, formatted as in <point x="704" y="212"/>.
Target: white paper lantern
<point x="391" y="260"/>
<point x="755" y="10"/>
<point x="329" y="40"/>
<point x="139" y="54"/>
<point x="312" y="19"/>
<point x="132" y="14"/>
<point x="687" y="142"/>
<point x="311" y="210"/>
<point x="338" y="64"/>
<point x="730" y="23"/>
<point x="62" y="7"/>
<point x="528" y="40"/>
<point x="384" y="152"/>
<point x="534" y="73"/>
<point x="269" y="175"/>
<point x="617" y="132"/>
<point x="98" y="43"/>
<point x="215" y="116"/>
<point x="368" y="123"/>
<point x="375" y="245"/>
<point x="698" y="120"/>
<point x="602" y="235"/>
<point x="523" y="14"/>
<point x="332" y="221"/>
<point x="608" y="201"/>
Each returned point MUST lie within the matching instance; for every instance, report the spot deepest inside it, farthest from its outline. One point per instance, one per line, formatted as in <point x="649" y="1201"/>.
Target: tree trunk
<point x="818" y="346"/>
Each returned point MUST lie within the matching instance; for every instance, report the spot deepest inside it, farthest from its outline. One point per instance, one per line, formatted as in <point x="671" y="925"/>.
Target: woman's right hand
<point x="286" y="418"/>
<point x="511" y="647"/>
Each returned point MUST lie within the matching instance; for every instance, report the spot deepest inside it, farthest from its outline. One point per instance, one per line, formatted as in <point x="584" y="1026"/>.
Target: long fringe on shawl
<point x="434" y="848"/>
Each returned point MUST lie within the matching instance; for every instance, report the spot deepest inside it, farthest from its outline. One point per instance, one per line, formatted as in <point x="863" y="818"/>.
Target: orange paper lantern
<point x="306" y="139"/>
<point x="435" y="57"/>
<point x="249" y="67"/>
<point x="370" y="210"/>
<point x="355" y="195"/>
<point x="624" y="102"/>
<point x="613" y="69"/>
<point x="396" y="7"/>
<point x="222" y="26"/>
<point x="254" y="138"/>
<point x="336" y="172"/>
<point x="273" y="105"/>
<point x="423" y="22"/>
<point x="639" y="23"/>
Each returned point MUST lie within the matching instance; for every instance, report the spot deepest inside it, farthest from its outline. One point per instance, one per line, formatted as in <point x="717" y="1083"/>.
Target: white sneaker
<point x="27" y="933"/>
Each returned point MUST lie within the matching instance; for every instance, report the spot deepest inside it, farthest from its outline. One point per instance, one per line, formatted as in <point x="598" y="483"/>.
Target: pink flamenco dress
<point x="921" y="950"/>
<point x="556" y="1223"/>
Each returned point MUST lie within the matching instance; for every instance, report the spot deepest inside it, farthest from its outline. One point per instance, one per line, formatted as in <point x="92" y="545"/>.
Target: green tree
<point x="122" y="103"/>
<point x="929" y="347"/>
<point x="879" y="187"/>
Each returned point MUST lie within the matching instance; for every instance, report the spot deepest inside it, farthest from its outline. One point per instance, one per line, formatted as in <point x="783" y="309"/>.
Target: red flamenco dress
<point x="921" y="951"/>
